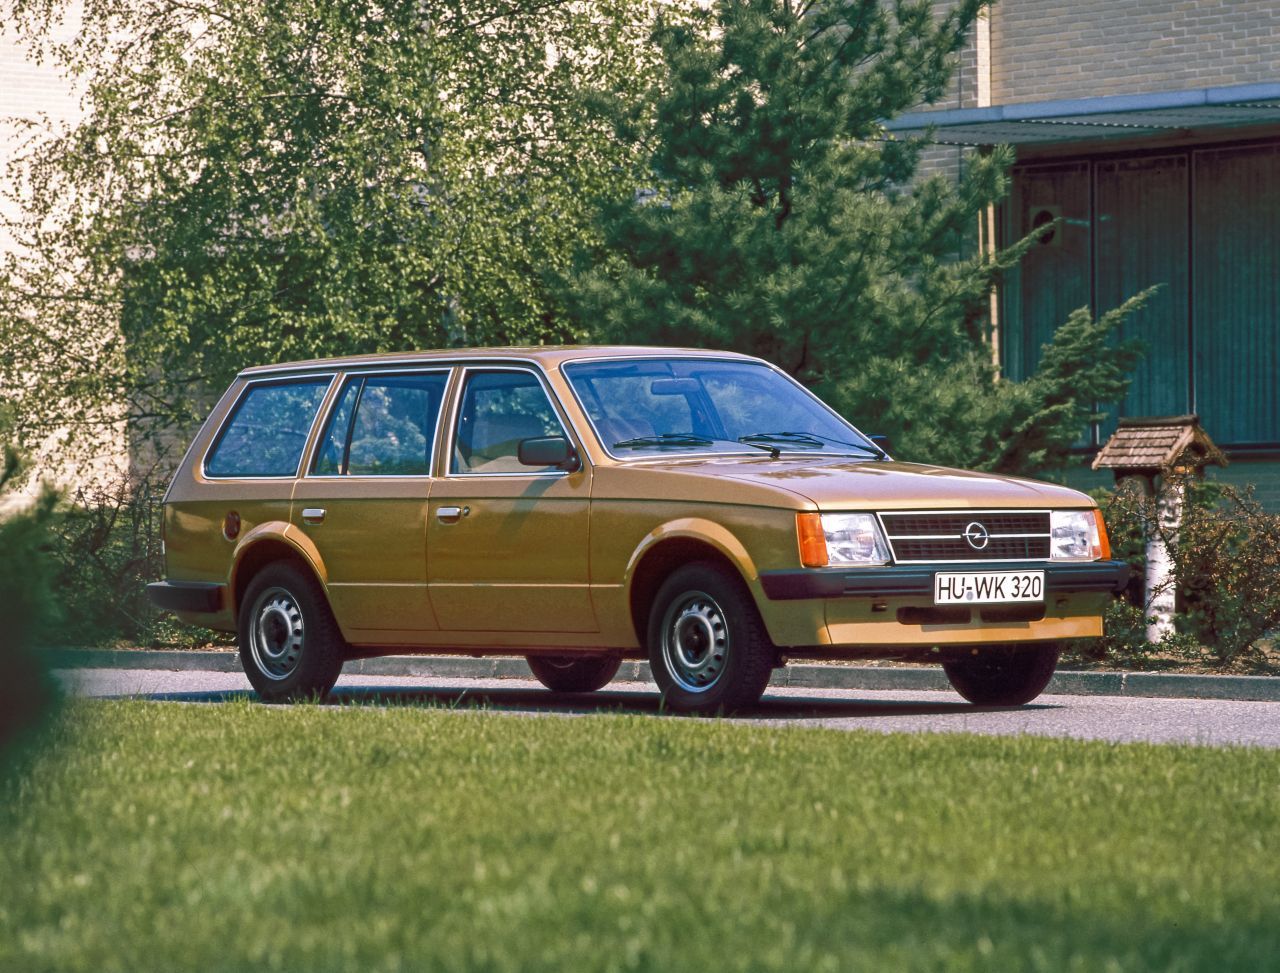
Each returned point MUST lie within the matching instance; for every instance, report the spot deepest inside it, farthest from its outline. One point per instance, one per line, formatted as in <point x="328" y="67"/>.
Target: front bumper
<point x="916" y="580"/>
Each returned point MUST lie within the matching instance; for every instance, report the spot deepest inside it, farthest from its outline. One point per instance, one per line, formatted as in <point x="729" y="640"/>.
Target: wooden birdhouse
<point x="1160" y="452"/>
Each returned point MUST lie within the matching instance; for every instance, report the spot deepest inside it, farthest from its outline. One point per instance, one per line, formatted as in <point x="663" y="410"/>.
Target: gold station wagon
<point x="583" y="505"/>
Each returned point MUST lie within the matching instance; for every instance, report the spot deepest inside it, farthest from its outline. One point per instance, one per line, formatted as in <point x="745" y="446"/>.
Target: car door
<point x="508" y="544"/>
<point x="363" y="501"/>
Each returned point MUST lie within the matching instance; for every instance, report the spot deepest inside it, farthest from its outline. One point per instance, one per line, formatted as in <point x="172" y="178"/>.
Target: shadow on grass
<point x="540" y="701"/>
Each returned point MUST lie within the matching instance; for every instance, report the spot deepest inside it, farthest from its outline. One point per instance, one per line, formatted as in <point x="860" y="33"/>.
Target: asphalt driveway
<point x="1208" y="722"/>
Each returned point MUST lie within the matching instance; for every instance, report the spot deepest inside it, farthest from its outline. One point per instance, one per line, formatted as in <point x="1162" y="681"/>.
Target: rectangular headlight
<point x="854" y="539"/>
<point x="1074" y="536"/>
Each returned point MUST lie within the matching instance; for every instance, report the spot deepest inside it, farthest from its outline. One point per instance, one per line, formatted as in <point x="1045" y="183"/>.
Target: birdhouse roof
<point x="1158" y="443"/>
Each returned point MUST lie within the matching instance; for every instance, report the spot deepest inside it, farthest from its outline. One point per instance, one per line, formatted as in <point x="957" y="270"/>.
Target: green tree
<point x="255" y="181"/>
<point x="782" y="221"/>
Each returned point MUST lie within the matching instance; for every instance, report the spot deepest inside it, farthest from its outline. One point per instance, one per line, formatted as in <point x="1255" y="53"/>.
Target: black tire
<point x="1004" y="675"/>
<point x="574" y="674"/>
<point x="708" y="649"/>
<point x="290" y="645"/>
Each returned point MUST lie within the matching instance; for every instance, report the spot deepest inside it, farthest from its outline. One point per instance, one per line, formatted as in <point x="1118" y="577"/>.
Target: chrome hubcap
<point x="695" y="642"/>
<point x="276" y="633"/>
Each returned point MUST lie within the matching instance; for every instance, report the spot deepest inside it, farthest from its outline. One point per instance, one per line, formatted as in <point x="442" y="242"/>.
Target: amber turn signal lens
<point x="1104" y="543"/>
<point x="813" y="541"/>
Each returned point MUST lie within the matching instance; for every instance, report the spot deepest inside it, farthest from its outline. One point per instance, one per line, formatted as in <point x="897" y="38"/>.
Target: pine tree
<point x="783" y="221"/>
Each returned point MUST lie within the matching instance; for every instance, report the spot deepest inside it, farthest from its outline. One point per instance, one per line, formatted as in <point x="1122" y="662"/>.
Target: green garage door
<point x="1142" y="239"/>
<point x="1053" y="278"/>
<point x="1205" y="225"/>
<point x="1236" y="292"/>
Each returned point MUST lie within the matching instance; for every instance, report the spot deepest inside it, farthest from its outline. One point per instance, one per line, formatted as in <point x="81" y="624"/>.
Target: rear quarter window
<point x="267" y="430"/>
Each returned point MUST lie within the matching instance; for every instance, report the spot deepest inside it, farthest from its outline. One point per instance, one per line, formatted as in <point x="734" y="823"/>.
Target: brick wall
<point x="963" y="90"/>
<point x="1049" y="49"/>
<point x="948" y="160"/>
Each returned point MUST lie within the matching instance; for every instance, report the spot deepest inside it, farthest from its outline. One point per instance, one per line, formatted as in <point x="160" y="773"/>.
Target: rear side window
<point x="268" y="430"/>
<point x="383" y="425"/>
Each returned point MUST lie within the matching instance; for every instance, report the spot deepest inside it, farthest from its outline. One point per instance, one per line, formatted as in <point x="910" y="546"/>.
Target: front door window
<point x="498" y="410"/>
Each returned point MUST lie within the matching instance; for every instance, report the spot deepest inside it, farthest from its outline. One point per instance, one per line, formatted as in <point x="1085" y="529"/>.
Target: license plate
<point x="987" y="587"/>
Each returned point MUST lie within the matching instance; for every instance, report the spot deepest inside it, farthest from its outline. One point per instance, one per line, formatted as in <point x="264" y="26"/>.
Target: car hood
<point x="843" y="483"/>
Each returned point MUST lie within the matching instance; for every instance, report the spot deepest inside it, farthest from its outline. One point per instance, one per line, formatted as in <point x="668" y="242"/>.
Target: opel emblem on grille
<point x="977" y="535"/>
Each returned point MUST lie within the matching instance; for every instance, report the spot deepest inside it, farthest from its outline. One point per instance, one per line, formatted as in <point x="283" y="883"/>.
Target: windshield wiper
<point x="766" y="441"/>
<point x="687" y="439"/>
<point x="785" y="438"/>
<point x="663" y="439"/>
<point x="811" y="440"/>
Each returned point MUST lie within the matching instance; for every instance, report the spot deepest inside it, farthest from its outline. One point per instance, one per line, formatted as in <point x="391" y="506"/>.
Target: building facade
<point x="38" y="99"/>
<point x="1147" y="137"/>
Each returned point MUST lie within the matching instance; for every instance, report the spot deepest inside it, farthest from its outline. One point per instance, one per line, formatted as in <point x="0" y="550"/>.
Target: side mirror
<point x="882" y="443"/>
<point x="549" y="451"/>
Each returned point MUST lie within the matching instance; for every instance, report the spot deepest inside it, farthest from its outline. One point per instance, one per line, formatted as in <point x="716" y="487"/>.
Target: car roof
<point x="549" y="356"/>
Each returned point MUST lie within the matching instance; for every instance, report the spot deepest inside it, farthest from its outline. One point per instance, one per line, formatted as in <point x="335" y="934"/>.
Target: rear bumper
<point x="198" y="597"/>
<point x="916" y="581"/>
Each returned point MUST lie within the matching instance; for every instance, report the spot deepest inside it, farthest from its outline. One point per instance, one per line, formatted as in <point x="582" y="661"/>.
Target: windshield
<point x="694" y="405"/>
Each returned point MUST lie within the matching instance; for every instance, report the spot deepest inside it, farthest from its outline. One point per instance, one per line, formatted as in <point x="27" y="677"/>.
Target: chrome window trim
<point x="253" y="383"/>
<point x="565" y="423"/>
<point x="424" y="359"/>
<point x="710" y="357"/>
<point x="446" y="370"/>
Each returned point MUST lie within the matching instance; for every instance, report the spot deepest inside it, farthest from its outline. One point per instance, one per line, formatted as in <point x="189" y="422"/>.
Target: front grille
<point x="1012" y="536"/>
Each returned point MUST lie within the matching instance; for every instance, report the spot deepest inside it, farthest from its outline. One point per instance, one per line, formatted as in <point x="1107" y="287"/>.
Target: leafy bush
<point x="1225" y="563"/>
<point x="27" y="693"/>
<point x="107" y="547"/>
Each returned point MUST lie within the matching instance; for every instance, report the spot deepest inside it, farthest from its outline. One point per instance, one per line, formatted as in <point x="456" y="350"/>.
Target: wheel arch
<point x="675" y="544"/>
<point x="266" y="544"/>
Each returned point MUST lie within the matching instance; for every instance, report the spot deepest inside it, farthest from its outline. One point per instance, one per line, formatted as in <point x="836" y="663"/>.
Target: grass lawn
<point x="244" y="837"/>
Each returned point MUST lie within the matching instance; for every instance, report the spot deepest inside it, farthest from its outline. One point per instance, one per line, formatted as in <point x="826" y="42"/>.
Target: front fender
<point x="697" y="529"/>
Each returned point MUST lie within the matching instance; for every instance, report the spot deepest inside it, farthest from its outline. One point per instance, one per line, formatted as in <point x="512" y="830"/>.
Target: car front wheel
<point x="290" y="645"/>
<point x="1004" y="675"/>
<point x="708" y="649"/>
<point x="567" y="674"/>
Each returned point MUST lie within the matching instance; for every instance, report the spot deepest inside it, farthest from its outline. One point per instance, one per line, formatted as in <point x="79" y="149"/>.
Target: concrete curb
<point x="1066" y="682"/>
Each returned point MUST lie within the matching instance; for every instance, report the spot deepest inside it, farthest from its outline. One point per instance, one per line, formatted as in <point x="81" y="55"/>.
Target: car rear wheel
<point x="574" y="674"/>
<point x="708" y="649"/>
<point x="290" y="645"/>
<point x="1004" y="675"/>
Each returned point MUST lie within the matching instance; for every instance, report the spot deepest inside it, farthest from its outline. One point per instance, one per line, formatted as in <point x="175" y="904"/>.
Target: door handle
<point x="313" y="515"/>
<point x="451" y="515"/>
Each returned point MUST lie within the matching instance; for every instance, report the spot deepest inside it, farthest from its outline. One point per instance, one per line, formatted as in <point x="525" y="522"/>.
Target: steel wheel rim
<point x="695" y="642"/>
<point x="276" y="633"/>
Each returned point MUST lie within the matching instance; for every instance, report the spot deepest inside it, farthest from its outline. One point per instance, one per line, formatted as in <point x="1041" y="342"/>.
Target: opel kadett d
<point x="582" y="505"/>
